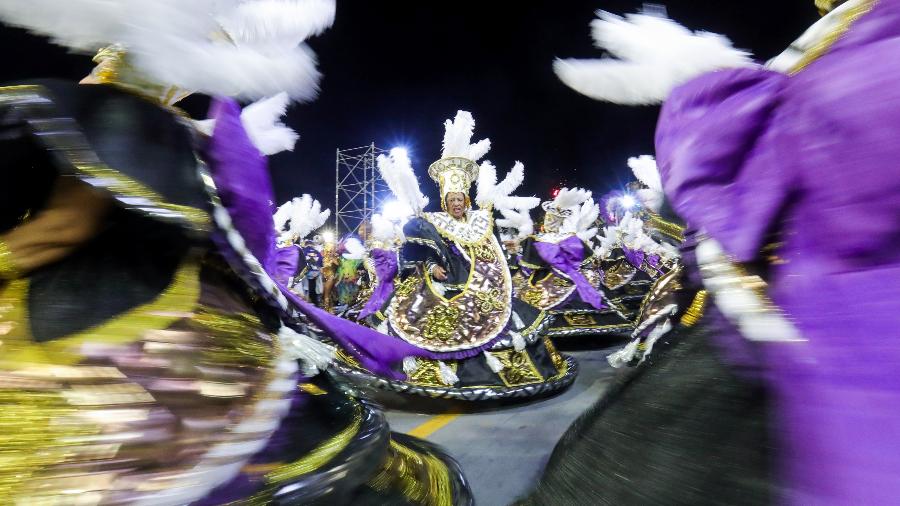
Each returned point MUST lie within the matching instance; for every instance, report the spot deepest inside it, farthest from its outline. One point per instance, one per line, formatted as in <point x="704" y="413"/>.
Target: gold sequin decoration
<point x="695" y="311"/>
<point x="488" y="302"/>
<point x="319" y="456"/>
<point x="558" y="361"/>
<point x="233" y="340"/>
<point x="8" y="267"/>
<point x="428" y="373"/>
<point x="579" y="320"/>
<point x="422" y="478"/>
<point x="483" y="252"/>
<point x="406" y="287"/>
<point x="518" y="369"/>
<point x="440" y="322"/>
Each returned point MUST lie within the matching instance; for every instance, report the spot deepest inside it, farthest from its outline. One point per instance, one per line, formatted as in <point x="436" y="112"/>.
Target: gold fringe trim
<point x="820" y="49"/>
<point x="320" y="456"/>
<point x="8" y="267"/>
<point x="695" y="311"/>
<point x="422" y="478"/>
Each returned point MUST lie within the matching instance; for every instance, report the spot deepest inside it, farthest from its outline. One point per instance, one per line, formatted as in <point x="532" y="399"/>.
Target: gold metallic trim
<point x="695" y="311"/>
<point x="60" y="137"/>
<point x="320" y="455"/>
<point x="8" y="267"/>
<point x="820" y="49"/>
<point x="668" y="228"/>
<point x="518" y="368"/>
<point x="18" y="347"/>
<point x="422" y="478"/>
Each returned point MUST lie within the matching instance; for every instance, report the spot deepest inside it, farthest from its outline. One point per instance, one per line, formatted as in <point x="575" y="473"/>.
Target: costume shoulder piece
<point x="114" y="141"/>
<point x="478" y="226"/>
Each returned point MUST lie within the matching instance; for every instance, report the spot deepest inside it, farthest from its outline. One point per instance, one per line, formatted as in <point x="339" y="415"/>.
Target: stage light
<point x="399" y="152"/>
<point x="328" y="237"/>
<point x="628" y="201"/>
<point x="554" y="193"/>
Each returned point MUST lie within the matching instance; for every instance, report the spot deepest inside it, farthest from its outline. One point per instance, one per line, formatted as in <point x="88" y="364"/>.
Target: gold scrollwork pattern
<point x="440" y="323"/>
<point x="518" y="369"/>
<point x="428" y="373"/>
<point x="558" y="361"/>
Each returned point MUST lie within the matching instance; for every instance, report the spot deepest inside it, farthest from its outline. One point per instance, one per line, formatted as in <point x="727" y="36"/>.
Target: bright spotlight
<point x="399" y="152"/>
<point x="394" y="210"/>
<point x="328" y="237"/>
<point x="628" y="201"/>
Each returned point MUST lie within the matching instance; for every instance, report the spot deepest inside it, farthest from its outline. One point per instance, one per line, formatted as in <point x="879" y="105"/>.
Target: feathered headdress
<point x="298" y="217"/>
<point x="564" y="206"/>
<point x="653" y="55"/>
<point x="645" y="170"/>
<point x="458" y="169"/>
<point x="491" y="194"/>
<point x="237" y="48"/>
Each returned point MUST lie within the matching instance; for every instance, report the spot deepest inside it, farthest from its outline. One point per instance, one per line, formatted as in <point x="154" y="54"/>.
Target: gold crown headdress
<point x="458" y="168"/>
<point x="562" y="207"/>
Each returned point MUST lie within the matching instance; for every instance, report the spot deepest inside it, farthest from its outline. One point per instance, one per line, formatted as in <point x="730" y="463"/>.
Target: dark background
<point x="395" y="69"/>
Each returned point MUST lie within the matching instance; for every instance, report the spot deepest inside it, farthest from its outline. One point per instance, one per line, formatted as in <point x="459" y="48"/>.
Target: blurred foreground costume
<point x="475" y="340"/>
<point x="144" y="356"/>
<point x="786" y="386"/>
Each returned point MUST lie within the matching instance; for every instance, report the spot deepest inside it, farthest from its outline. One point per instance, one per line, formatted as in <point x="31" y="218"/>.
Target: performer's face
<point x="456" y="205"/>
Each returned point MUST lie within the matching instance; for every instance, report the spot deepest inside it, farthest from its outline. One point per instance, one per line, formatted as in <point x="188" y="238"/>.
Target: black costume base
<point x="681" y="428"/>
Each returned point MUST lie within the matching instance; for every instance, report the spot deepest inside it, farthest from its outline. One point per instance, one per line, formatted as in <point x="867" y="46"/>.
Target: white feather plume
<point x="262" y="121"/>
<point x="519" y="220"/>
<point x="458" y="138"/>
<point x="283" y="22"/>
<point x="298" y="217"/>
<point x="396" y="170"/>
<point x="384" y="231"/>
<point x="567" y="198"/>
<point x="487" y="182"/>
<point x="645" y="170"/>
<point x="655" y="54"/>
<point x="585" y="218"/>
<point x="518" y="203"/>
<point x="180" y="43"/>
<point x="354" y="249"/>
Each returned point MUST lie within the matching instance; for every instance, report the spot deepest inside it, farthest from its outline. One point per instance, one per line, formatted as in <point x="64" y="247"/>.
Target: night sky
<point x="394" y="70"/>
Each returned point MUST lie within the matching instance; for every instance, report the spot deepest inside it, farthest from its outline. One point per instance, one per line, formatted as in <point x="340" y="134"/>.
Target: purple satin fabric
<point x="376" y="352"/>
<point x="566" y="256"/>
<point x="634" y="256"/>
<point x="242" y="179"/>
<point x="813" y="158"/>
<point x="385" y="262"/>
<point x="285" y="264"/>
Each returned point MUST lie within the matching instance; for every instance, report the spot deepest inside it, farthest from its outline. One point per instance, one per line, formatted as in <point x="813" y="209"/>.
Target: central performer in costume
<point x="455" y="297"/>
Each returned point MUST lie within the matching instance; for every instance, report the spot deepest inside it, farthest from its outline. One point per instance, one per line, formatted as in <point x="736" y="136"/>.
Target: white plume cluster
<point x="520" y="221"/>
<point x="568" y="198"/>
<point x="631" y="233"/>
<point x="492" y="194"/>
<point x="397" y="172"/>
<point x="653" y="55"/>
<point x="237" y="48"/>
<point x="262" y="122"/>
<point x="458" y="138"/>
<point x="582" y="221"/>
<point x="645" y="170"/>
<point x="385" y="231"/>
<point x="354" y="249"/>
<point x="298" y="217"/>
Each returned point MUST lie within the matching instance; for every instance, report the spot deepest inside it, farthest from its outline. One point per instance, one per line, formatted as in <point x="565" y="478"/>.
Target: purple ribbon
<point x="385" y="262"/>
<point x="286" y="262"/>
<point x="566" y="256"/>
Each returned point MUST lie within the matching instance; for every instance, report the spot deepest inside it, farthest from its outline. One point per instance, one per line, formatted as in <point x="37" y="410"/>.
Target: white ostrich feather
<point x="283" y="22"/>
<point x="262" y="120"/>
<point x="396" y="170"/>
<point x="315" y="355"/>
<point x="567" y="198"/>
<point x="354" y="249"/>
<point x="458" y="138"/>
<point x="487" y="182"/>
<point x="519" y="220"/>
<point x="299" y="217"/>
<point x="645" y="170"/>
<point x="383" y="230"/>
<point x="499" y="195"/>
<point x="181" y="43"/>
<point x="654" y="55"/>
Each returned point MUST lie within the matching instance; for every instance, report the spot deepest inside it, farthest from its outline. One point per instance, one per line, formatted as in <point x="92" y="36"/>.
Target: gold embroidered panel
<point x="478" y="226"/>
<point x="518" y="369"/>
<point x="471" y="319"/>
<point x="553" y="290"/>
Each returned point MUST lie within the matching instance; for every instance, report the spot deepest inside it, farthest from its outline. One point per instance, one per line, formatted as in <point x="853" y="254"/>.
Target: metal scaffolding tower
<point x="359" y="189"/>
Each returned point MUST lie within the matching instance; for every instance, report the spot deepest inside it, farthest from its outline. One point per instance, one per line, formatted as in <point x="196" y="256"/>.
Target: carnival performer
<point x="559" y="273"/>
<point x="294" y="221"/>
<point x="145" y="357"/>
<point x="781" y="391"/>
<point x="381" y="265"/>
<point x="455" y="299"/>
